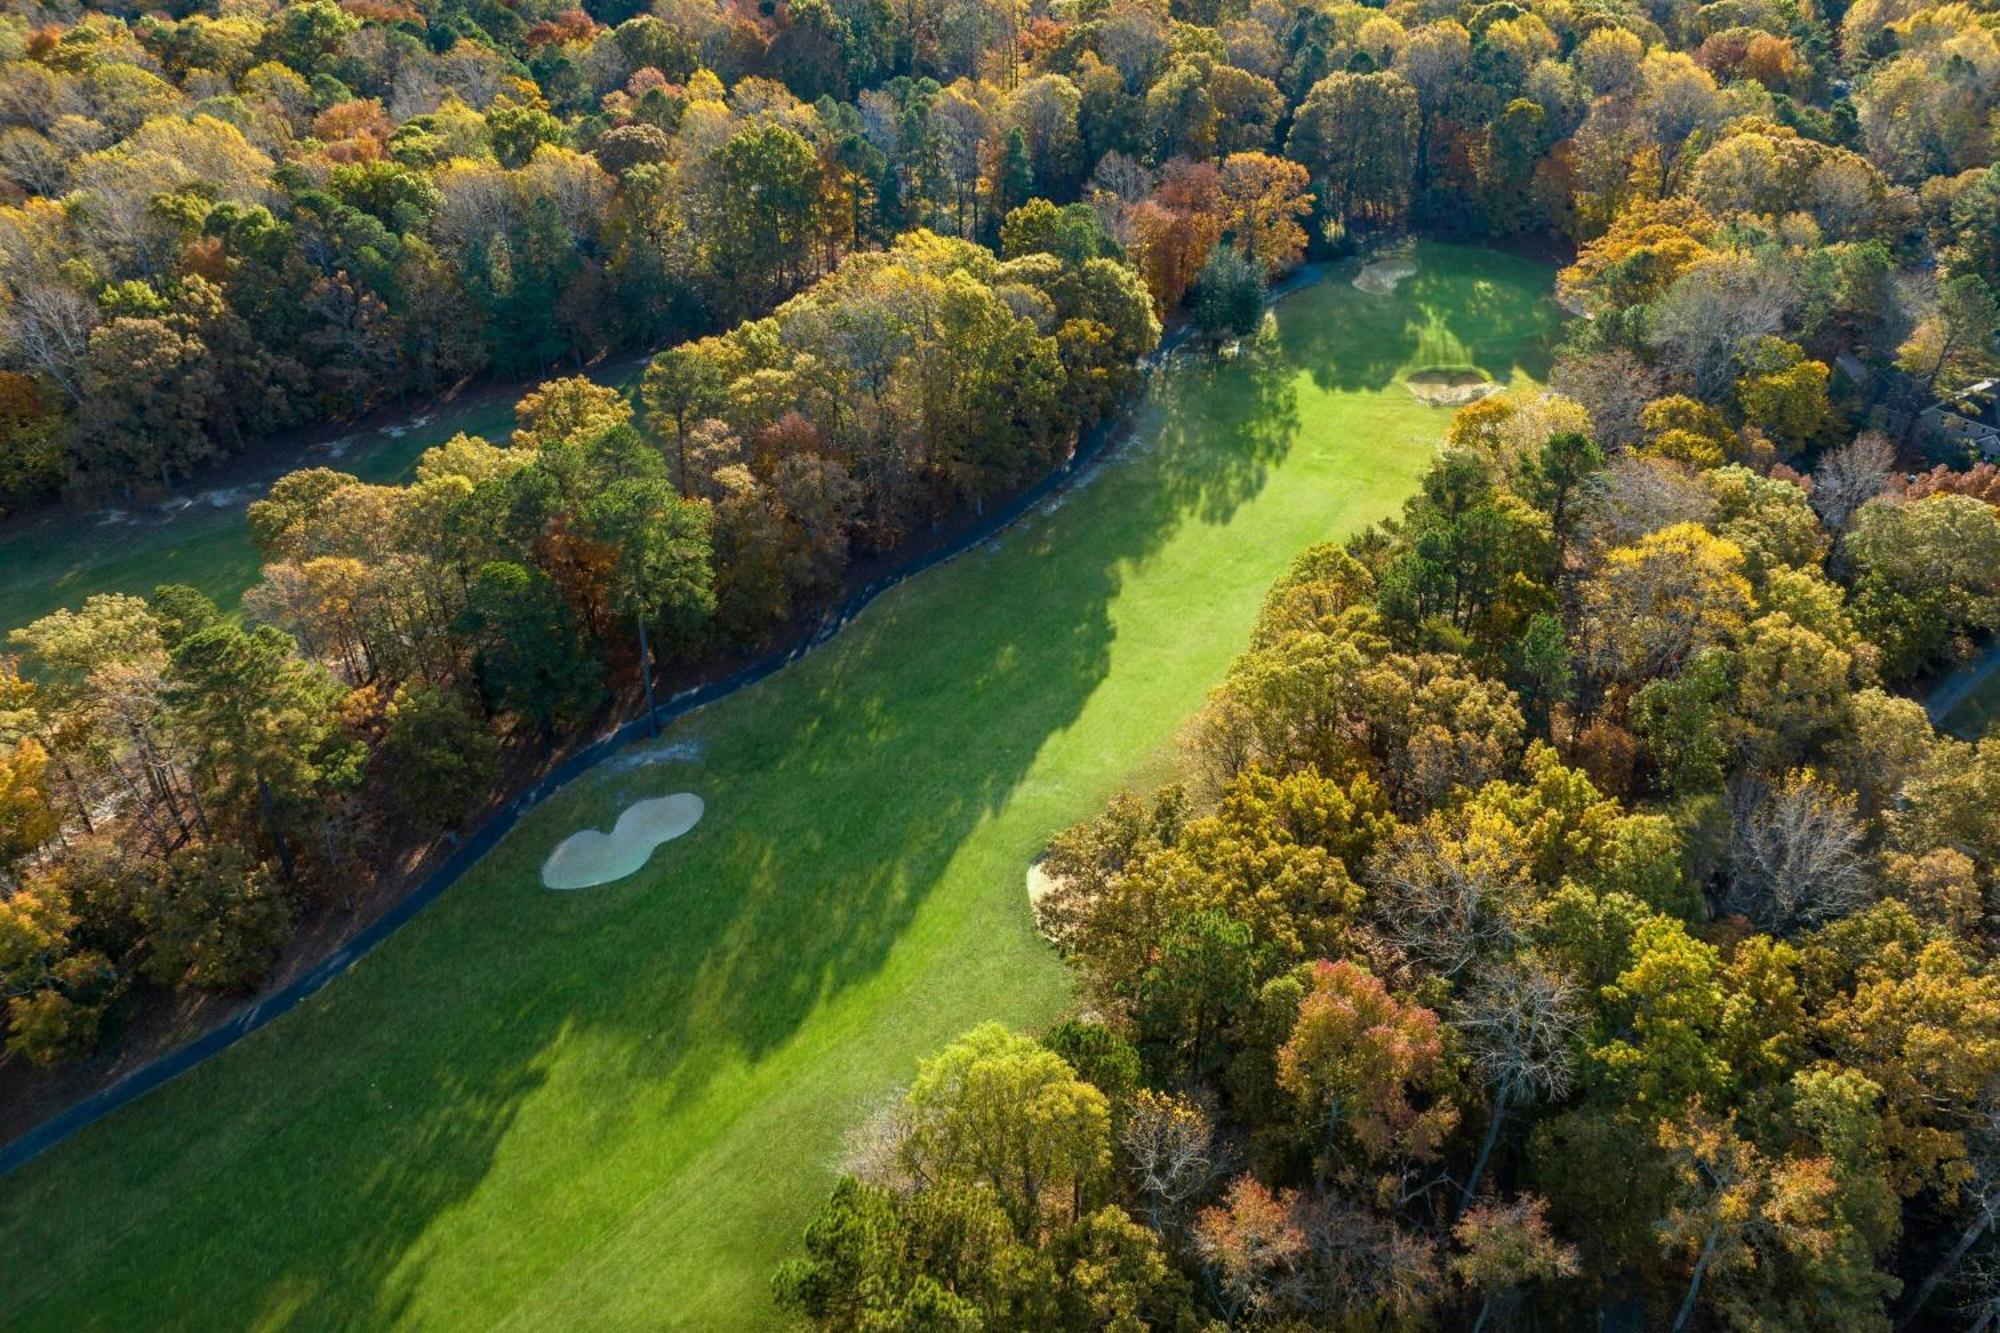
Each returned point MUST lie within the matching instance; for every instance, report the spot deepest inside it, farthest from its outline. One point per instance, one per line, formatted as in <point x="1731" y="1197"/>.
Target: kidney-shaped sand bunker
<point x="1449" y="386"/>
<point x="588" y="858"/>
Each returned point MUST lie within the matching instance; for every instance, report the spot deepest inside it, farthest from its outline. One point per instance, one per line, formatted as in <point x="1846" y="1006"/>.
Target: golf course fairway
<point x="618" y="1108"/>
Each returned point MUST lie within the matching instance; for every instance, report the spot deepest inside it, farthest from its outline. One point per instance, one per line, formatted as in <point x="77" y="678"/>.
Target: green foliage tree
<point x="1228" y="297"/>
<point x="435" y="758"/>
<point x="660" y="574"/>
<point x="680" y="386"/>
<point x="262" y="728"/>
<point x="528" y="656"/>
<point x="1009" y="1114"/>
<point x="1357" y="134"/>
<point x="214" y="919"/>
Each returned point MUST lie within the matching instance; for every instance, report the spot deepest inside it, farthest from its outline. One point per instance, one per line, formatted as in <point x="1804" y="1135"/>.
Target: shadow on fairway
<point x="1462" y="307"/>
<point x="306" y="1185"/>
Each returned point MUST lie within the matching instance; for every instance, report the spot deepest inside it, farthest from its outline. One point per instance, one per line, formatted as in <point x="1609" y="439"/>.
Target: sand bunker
<point x="1040" y="882"/>
<point x="1449" y="388"/>
<point x="1380" y="278"/>
<point x="588" y="858"/>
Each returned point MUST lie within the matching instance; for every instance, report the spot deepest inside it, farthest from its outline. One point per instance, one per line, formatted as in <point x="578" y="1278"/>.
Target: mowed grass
<point x="199" y="537"/>
<point x="618" y="1108"/>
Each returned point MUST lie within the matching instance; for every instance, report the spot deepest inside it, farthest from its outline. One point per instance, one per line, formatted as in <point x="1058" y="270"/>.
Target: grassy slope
<point x="59" y="559"/>
<point x="617" y="1108"/>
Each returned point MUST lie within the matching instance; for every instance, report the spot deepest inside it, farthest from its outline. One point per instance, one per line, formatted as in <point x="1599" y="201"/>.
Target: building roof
<point x="1976" y="402"/>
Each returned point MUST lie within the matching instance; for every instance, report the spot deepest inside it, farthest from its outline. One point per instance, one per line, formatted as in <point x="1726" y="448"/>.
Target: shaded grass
<point x="617" y="1108"/>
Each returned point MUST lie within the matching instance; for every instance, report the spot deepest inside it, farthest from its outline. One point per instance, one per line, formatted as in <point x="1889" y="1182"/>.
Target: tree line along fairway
<point x="199" y="535"/>
<point x="618" y="1108"/>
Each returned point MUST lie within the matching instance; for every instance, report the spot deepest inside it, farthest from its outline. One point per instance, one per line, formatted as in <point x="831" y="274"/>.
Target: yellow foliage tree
<point x="1657" y="602"/>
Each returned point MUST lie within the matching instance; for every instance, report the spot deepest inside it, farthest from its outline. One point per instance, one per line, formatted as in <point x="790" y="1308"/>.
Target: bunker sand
<point x="588" y="858"/>
<point x="623" y="1106"/>
<point x="1380" y="278"/>
<point x="1449" y="388"/>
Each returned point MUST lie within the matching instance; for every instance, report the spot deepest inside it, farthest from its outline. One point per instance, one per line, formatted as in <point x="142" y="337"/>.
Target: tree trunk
<point x="1501" y="1097"/>
<point x="1694" y="1283"/>
<point x="1966" y="1240"/>
<point x="268" y="807"/>
<point x="142" y="809"/>
<point x="75" y="789"/>
<point x="1332" y="1129"/>
<point x="646" y="675"/>
<point x="200" y="811"/>
<point x="160" y="777"/>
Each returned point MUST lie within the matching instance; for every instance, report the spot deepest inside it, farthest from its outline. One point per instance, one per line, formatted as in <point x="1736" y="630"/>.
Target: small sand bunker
<point x="588" y="858"/>
<point x="1449" y="388"/>
<point x="1040" y="885"/>
<point x="1040" y="882"/>
<point x="1380" y="278"/>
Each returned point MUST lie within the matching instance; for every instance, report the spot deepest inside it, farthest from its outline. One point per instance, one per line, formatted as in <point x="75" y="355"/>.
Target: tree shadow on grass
<point x="1463" y="306"/>
<point x="925" y="719"/>
<point x="308" y="1177"/>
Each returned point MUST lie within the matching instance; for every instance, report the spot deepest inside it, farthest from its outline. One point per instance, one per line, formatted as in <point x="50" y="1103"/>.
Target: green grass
<point x="59" y="558"/>
<point x="617" y="1108"/>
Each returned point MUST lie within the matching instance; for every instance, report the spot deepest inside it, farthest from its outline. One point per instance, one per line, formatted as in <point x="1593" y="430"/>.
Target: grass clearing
<point x="618" y="1108"/>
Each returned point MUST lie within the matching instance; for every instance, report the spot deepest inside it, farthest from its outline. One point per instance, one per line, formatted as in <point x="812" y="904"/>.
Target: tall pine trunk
<point x="268" y="806"/>
<point x="646" y="675"/>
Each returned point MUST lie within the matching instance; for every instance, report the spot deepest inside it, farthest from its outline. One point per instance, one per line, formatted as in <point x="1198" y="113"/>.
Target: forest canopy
<point x="1565" y="900"/>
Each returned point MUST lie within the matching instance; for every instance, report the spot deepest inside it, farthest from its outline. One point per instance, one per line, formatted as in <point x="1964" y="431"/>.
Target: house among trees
<point x="1972" y="416"/>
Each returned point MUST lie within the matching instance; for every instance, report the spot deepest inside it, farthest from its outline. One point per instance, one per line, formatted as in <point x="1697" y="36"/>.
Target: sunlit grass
<point x="618" y="1108"/>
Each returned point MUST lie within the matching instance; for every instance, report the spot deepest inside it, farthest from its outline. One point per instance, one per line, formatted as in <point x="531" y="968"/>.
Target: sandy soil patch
<point x="1449" y="388"/>
<point x="1040" y="884"/>
<point x="658" y="750"/>
<point x="588" y="858"/>
<point x="1380" y="277"/>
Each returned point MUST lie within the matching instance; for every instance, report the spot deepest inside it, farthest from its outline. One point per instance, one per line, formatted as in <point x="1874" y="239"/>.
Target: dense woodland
<point x="1558" y="912"/>
<point x="1565" y="904"/>
<point x="225" y="219"/>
